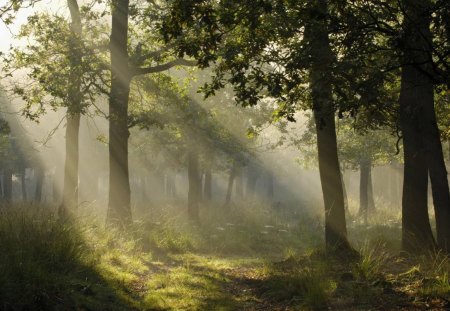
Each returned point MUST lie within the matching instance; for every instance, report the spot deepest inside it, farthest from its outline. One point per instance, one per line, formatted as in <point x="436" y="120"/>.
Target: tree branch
<point x="163" y="67"/>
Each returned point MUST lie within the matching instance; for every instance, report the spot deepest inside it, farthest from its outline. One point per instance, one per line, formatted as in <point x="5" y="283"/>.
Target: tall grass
<point x="52" y="264"/>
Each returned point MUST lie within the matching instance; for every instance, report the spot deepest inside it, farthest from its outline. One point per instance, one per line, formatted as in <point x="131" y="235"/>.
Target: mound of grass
<point x="49" y="264"/>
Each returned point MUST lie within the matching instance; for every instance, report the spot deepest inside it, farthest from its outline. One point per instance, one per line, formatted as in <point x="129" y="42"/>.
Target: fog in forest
<point x="224" y="155"/>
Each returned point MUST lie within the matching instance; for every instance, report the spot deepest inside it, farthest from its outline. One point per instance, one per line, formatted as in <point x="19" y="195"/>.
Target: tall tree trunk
<point x="239" y="183"/>
<point x="39" y="175"/>
<point x="370" y="197"/>
<point x="119" y="209"/>
<point x="417" y="105"/>
<point x="208" y="184"/>
<point x="231" y="178"/>
<point x="194" y="186"/>
<point x="70" y="190"/>
<point x="364" y="188"/>
<point x="324" y="115"/>
<point x="344" y="191"/>
<point x="252" y="178"/>
<point x="23" y="183"/>
<point x="416" y="230"/>
<point x="270" y="185"/>
<point x="7" y="185"/>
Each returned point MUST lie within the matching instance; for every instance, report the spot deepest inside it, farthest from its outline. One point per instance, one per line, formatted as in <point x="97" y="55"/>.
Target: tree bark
<point x="119" y="209"/>
<point x="324" y="115"/>
<point x="73" y="115"/>
<point x="194" y="186"/>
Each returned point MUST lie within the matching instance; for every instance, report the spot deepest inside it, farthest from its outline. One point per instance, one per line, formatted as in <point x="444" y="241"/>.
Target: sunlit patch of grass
<point x="195" y="283"/>
<point x="250" y="229"/>
<point x="299" y="282"/>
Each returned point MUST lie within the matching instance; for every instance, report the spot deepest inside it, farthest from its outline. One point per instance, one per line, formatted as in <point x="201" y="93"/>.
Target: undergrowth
<point x="252" y="256"/>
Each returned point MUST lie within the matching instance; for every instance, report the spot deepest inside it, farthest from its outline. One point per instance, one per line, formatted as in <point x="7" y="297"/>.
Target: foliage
<point x="45" y="62"/>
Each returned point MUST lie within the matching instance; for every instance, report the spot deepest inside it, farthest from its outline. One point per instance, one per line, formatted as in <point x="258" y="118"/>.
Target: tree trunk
<point x="231" y="178"/>
<point x="416" y="230"/>
<point x="39" y="175"/>
<point x="70" y="190"/>
<point x="370" y="197"/>
<point x="364" y="189"/>
<point x="194" y="186"/>
<point x="208" y="185"/>
<point x="344" y="191"/>
<point x="324" y="115"/>
<point x="239" y="183"/>
<point x="7" y="185"/>
<point x="119" y="209"/>
<point x="23" y="183"/>
<point x="417" y="98"/>
<point x="252" y="177"/>
<point x="270" y="186"/>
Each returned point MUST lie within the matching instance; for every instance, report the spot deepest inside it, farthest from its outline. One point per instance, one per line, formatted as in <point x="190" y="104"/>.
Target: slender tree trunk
<point x="70" y="190"/>
<point x="231" y="178"/>
<point x="208" y="184"/>
<point x="194" y="186"/>
<point x="370" y="197"/>
<point x="364" y="188"/>
<point x="252" y="177"/>
<point x="270" y="185"/>
<point x="324" y="115"/>
<point x="119" y="209"/>
<point x="39" y="174"/>
<point x="7" y="185"/>
<point x="23" y="183"/>
<point x="239" y="183"/>
<point x="344" y="191"/>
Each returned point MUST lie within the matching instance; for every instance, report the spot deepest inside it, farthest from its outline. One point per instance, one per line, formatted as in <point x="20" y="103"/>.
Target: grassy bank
<point x="253" y="258"/>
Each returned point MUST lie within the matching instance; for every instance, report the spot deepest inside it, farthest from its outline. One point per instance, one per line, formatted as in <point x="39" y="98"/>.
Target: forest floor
<point x="253" y="258"/>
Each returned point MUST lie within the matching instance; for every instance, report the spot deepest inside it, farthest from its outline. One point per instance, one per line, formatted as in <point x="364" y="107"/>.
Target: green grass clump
<point x="436" y="280"/>
<point x="370" y="263"/>
<point x="51" y="264"/>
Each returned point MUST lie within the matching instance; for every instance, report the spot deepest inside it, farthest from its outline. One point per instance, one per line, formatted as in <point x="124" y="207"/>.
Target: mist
<point x="216" y="155"/>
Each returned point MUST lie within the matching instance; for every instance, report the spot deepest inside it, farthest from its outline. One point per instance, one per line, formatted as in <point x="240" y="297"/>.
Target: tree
<point x="123" y="69"/>
<point x="74" y="110"/>
<point x="64" y="69"/>
<point x="244" y="39"/>
<point x="423" y="149"/>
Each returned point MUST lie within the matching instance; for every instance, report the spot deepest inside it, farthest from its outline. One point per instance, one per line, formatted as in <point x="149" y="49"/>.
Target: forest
<point x="224" y="155"/>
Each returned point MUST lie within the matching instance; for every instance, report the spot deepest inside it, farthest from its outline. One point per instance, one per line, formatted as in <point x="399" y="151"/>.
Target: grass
<point x="253" y="257"/>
